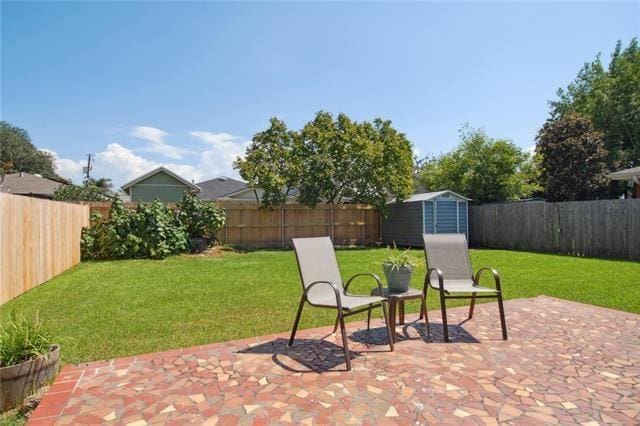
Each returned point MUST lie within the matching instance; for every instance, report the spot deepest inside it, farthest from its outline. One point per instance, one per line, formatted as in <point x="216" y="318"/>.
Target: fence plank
<point x="602" y="228"/>
<point x="38" y="240"/>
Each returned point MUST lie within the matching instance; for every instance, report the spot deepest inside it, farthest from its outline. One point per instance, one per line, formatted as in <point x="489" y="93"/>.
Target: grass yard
<point x="101" y="310"/>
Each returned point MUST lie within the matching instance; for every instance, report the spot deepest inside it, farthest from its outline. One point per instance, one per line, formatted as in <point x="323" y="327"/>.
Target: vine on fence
<point x="152" y="230"/>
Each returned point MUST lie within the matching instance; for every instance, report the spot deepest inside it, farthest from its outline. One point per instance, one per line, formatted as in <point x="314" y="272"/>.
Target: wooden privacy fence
<point x="250" y="226"/>
<point x="38" y="240"/>
<point x="603" y="228"/>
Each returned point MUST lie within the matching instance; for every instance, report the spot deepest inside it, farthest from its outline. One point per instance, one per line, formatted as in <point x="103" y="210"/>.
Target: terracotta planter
<point x="20" y="380"/>
<point x="398" y="279"/>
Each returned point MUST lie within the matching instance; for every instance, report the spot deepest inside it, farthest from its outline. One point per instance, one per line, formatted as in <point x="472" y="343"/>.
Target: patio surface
<point x="564" y="362"/>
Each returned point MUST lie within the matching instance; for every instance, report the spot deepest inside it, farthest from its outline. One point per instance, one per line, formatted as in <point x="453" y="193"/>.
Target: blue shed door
<point x="428" y="218"/>
<point x="446" y="217"/>
<point x="462" y="218"/>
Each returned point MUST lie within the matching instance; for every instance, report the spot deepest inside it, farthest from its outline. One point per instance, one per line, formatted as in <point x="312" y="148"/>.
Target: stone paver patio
<point x="565" y="363"/>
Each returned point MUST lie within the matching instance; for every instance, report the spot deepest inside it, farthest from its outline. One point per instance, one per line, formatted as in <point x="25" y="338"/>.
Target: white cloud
<point x="531" y="150"/>
<point x="156" y="142"/>
<point x="122" y="164"/>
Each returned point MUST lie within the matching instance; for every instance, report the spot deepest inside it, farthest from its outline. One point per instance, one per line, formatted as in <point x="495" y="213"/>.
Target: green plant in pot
<point x="28" y="359"/>
<point x="398" y="267"/>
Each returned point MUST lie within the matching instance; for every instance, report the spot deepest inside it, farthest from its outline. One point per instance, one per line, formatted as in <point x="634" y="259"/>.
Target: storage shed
<point x="442" y="212"/>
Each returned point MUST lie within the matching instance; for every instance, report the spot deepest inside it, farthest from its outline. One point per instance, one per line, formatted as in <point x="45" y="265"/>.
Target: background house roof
<point x="628" y="174"/>
<point x="158" y="170"/>
<point x="424" y="196"/>
<point x="219" y="187"/>
<point x="28" y="184"/>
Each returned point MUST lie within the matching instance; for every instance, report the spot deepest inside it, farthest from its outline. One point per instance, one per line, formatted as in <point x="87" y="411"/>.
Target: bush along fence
<point x="603" y="228"/>
<point x="152" y="230"/>
<point x="39" y="239"/>
<point x="247" y="225"/>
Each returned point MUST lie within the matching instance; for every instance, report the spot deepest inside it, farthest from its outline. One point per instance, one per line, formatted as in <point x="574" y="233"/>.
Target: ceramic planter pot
<point x="398" y="279"/>
<point x="21" y="380"/>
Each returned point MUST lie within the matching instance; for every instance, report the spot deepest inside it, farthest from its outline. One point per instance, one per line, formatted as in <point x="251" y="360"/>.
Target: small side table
<point x="396" y="300"/>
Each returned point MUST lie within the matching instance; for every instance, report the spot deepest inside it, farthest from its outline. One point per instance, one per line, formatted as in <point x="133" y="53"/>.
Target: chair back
<point x="450" y="254"/>
<point x="317" y="262"/>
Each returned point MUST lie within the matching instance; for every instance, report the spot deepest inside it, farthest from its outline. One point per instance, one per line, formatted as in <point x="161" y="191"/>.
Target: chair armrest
<point x="496" y="277"/>
<point x="374" y="276"/>
<point x="329" y="283"/>
<point x="427" y="279"/>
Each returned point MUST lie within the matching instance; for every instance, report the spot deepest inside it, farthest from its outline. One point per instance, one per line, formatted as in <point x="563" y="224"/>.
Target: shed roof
<point x="213" y="189"/>
<point x="627" y="174"/>
<point x="28" y="184"/>
<point x="425" y="196"/>
<point x="156" y="171"/>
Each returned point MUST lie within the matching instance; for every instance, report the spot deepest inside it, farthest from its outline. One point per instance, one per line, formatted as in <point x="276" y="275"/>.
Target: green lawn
<point x="101" y="310"/>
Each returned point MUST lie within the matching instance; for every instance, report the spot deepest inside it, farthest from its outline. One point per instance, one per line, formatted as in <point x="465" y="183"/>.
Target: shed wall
<point x="403" y="225"/>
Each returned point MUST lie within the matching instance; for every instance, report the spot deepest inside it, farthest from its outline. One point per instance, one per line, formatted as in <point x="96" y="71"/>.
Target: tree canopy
<point x="610" y="98"/>
<point x="18" y="154"/>
<point x="575" y="156"/>
<point x="331" y="159"/>
<point x="481" y="168"/>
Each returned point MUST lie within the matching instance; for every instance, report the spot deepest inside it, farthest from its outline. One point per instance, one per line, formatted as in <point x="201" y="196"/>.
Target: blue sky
<point x="188" y="84"/>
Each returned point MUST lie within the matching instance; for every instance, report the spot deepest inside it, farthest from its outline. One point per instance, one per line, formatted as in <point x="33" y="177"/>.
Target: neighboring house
<point x="214" y="189"/>
<point x="161" y="184"/>
<point x="442" y="212"/>
<point x="630" y="175"/>
<point x="27" y="184"/>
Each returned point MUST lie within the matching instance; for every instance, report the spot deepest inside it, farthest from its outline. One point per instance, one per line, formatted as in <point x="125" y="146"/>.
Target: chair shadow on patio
<point x="378" y="336"/>
<point x="315" y="354"/>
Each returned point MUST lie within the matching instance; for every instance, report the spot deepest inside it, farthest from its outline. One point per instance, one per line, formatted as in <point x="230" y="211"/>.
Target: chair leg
<point x="443" y="309"/>
<point x="503" y="321"/>
<point x="297" y="320"/>
<point x="425" y="313"/>
<point x="347" y="356"/>
<point x="388" y="324"/>
<point x="473" y="303"/>
<point x="335" y="326"/>
<point x="369" y="318"/>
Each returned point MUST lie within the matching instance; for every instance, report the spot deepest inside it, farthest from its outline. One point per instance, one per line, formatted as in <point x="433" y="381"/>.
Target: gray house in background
<point x="220" y="187"/>
<point x="160" y="183"/>
<point x="442" y="212"/>
<point x="29" y="184"/>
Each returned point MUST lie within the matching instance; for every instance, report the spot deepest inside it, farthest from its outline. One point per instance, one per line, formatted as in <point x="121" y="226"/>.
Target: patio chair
<point x="322" y="287"/>
<point x="449" y="271"/>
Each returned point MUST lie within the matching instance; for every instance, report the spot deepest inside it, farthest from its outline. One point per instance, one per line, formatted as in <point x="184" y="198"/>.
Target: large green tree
<point x="272" y="163"/>
<point x="610" y="98"/>
<point x="18" y="154"/>
<point x="481" y="168"/>
<point x="574" y="158"/>
<point x="331" y="159"/>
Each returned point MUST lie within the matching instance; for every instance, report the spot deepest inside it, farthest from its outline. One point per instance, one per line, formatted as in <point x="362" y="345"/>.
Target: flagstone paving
<point x="564" y="363"/>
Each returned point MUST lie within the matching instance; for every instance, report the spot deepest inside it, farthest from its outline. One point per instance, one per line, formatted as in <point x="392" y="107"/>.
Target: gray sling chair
<point x="449" y="271"/>
<point x="323" y="287"/>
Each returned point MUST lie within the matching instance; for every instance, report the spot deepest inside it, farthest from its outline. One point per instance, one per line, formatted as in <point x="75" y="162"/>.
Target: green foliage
<point x="22" y="339"/>
<point x="272" y="163"/>
<point x="573" y="158"/>
<point x="152" y="230"/>
<point x="610" y="98"/>
<point x="398" y="259"/>
<point x="80" y="193"/>
<point x="200" y="219"/>
<point x="18" y="154"/>
<point x="482" y="168"/>
<point x="330" y="160"/>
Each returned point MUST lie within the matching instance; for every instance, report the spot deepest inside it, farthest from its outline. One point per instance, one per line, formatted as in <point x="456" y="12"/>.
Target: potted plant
<point x="398" y="267"/>
<point x="28" y="358"/>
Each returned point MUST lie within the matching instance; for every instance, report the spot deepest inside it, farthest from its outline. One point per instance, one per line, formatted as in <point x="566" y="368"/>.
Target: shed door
<point x="446" y="217"/>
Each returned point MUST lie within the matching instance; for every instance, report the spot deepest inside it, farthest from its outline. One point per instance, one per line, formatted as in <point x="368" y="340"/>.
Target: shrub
<point x="79" y="193"/>
<point x="201" y="219"/>
<point x="397" y="259"/>
<point x="151" y="230"/>
<point x="22" y="339"/>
